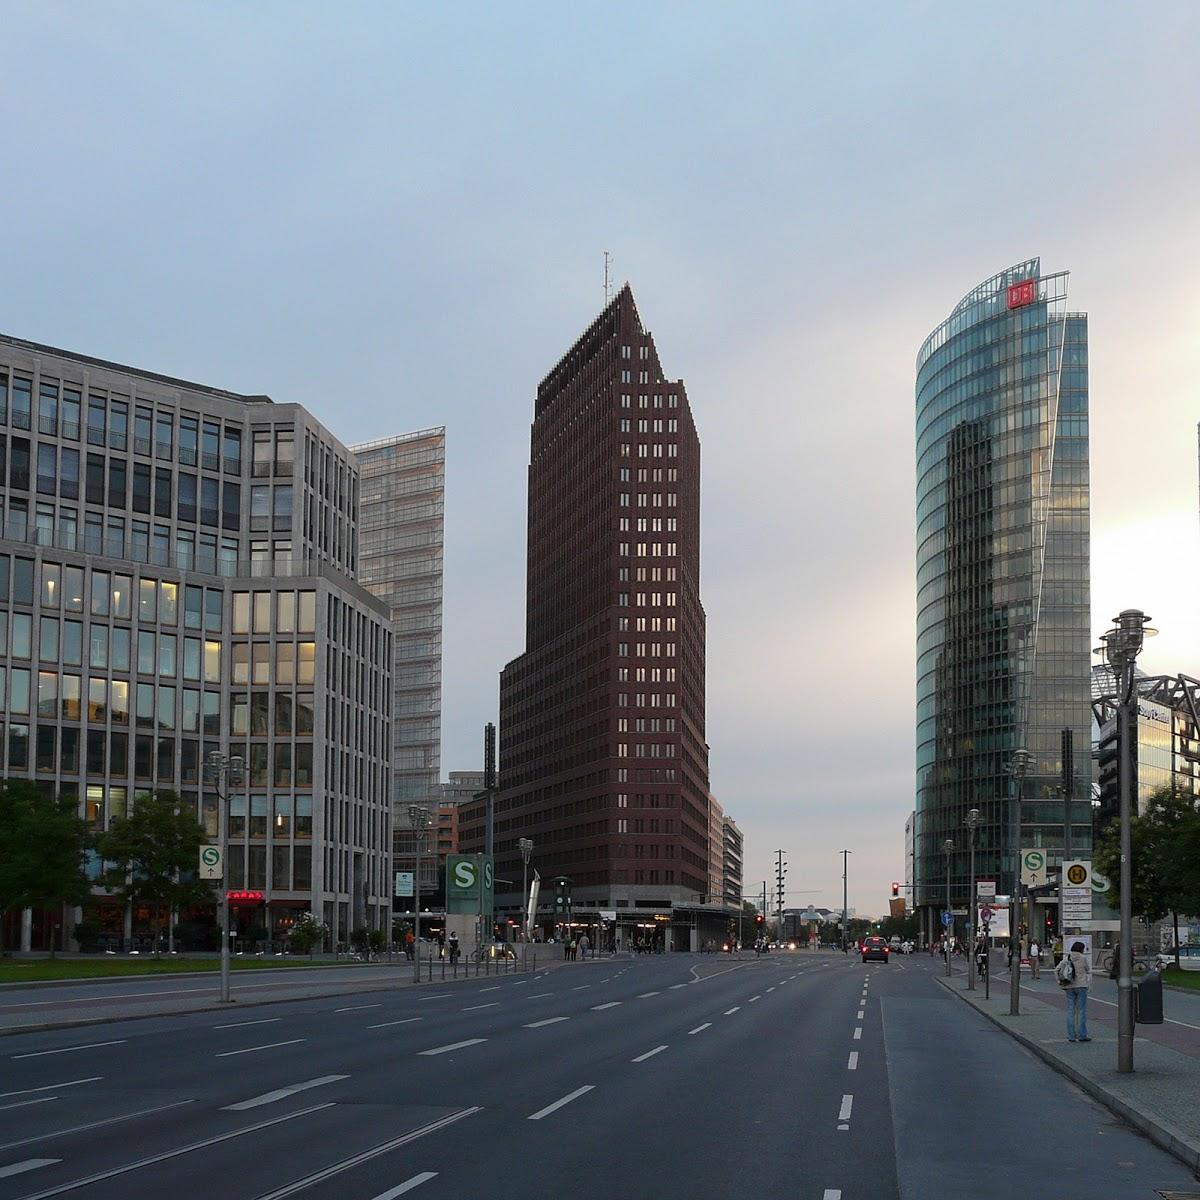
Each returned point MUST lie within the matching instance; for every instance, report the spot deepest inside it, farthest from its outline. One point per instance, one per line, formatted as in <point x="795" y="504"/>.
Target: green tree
<point x="151" y="856"/>
<point x="42" y="847"/>
<point x="1165" y="841"/>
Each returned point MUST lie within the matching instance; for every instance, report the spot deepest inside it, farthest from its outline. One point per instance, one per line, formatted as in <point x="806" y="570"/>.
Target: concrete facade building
<point x="732" y="870"/>
<point x="716" y="850"/>
<point x="177" y="576"/>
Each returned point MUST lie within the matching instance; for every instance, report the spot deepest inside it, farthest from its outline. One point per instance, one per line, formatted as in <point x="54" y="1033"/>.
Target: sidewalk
<point x="1160" y="1098"/>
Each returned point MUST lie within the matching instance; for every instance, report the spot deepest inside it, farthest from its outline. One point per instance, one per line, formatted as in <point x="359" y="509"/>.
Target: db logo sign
<point x="1077" y="874"/>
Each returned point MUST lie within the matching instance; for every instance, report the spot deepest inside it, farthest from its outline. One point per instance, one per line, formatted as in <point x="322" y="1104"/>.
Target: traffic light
<point x="758" y="919"/>
<point x="562" y="895"/>
<point x="895" y="890"/>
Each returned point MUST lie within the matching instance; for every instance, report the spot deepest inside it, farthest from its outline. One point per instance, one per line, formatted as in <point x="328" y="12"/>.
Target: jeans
<point x="1077" y="1013"/>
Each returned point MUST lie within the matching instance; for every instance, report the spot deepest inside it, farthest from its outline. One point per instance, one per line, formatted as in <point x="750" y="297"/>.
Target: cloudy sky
<point x="395" y="215"/>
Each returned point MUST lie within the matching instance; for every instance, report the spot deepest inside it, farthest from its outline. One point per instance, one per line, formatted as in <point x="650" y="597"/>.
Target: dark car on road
<point x="876" y="948"/>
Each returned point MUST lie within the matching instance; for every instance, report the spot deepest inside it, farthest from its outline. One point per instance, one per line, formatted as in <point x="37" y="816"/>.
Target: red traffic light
<point x="242" y="897"/>
<point x="895" y="889"/>
<point x="758" y="918"/>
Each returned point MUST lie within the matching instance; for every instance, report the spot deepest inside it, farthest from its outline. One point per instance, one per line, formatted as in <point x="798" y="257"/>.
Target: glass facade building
<point x="176" y="577"/>
<point x="1003" y="604"/>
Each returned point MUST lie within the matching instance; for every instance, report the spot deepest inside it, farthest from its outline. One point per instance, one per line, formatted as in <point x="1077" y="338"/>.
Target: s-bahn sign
<point x="470" y="883"/>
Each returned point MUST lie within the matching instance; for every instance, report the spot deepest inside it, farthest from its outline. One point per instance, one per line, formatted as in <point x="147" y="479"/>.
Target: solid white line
<point x="453" y="1046"/>
<point x="282" y="1093"/>
<point x="375" y="1151"/>
<point x="30" y="1164"/>
<point x="648" y="1054"/>
<point x="852" y="1062"/>
<point x="415" y="1181"/>
<point x="847" y="1105"/>
<point x="251" y="1049"/>
<point x="68" y="1049"/>
<point x="167" y="1154"/>
<point x="730" y="1011"/>
<point x="385" y="1024"/>
<point x="41" y="1137"/>
<point x="52" y="1087"/>
<point x="545" y="1112"/>
<point x="26" y="1103"/>
<point x="547" y="1021"/>
<point x="602" y="1007"/>
<point x="240" y="1024"/>
<point x="647" y="995"/>
<point x="358" y="1007"/>
<point x="700" y="1028"/>
<point x="477" y="1007"/>
<point x="858" y="1033"/>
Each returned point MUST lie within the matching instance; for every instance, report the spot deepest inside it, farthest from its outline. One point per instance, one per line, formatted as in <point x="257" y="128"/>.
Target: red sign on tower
<point x="1020" y="294"/>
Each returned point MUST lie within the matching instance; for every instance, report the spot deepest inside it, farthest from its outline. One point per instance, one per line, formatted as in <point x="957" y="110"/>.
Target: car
<point x="875" y="948"/>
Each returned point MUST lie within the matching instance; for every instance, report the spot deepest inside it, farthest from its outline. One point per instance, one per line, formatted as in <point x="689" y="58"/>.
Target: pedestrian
<point x="409" y="939"/>
<point x="585" y="944"/>
<point x="453" y="947"/>
<point x="1074" y="975"/>
<point x="1035" y="959"/>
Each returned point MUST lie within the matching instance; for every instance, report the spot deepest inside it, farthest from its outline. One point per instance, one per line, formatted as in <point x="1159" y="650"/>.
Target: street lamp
<point x="972" y="823"/>
<point x="1017" y="767"/>
<point x="525" y="845"/>
<point x="231" y="771"/>
<point x="418" y="817"/>
<point x="948" y="848"/>
<point x="1121" y="646"/>
<point x="845" y="907"/>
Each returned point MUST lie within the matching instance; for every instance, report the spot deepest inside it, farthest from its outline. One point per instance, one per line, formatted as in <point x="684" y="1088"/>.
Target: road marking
<point x="30" y="1164"/>
<point x="602" y="1007"/>
<point x="676" y="986"/>
<point x="1168" y="1020"/>
<point x="520" y="983"/>
<point x="852" y="1062"/>
<point x="830" y="1194"/>
<point x="647" y="995"/>
<point x="648" y="1054"/>
<point x="409" y="1184"/>
<point x="26" y="1103"/>
<point x="41" y="1137"/>
<point x="453" y="1046"/>
<point x="52" y="1087"/>
<point x="858" y="1033"/>
<point x="477" y="1007"/>
<point x="385" y="1024"/>
<point x="847" y="1106"/>
<point x="268" y="1046"/>
<point x="374" y="1152"/>
<point x="547" y="1021"/>
<point x="700" y="1028"/>
<point x="68" y="1049"/>
<point x="282" y="1093"/>
<point x="581" y="987"/>
<point x="75" y="1184"/>
<point x="752" y="999"/>
<point x="545" y="1112"/>
<point x="494" y="988"/>
<point x="436" y="996"/>
<point x="240" y="1024"/>
<point x="860" y="1014"/>
<point x="539" y="995"/>
<point x="730" y="1011"/>
<point x="358" y="1007"/>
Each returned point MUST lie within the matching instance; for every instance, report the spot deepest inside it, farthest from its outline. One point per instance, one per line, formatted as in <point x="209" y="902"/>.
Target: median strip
<point x="545" y="1112"/>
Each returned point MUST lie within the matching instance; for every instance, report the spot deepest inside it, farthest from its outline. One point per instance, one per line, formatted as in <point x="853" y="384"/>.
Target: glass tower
<point x="1003" y="605"/>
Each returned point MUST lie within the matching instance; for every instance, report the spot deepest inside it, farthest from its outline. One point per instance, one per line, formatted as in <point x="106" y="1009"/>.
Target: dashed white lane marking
<point x="67" y="1050"/>
<point x="852" y="1062"/>
<point x="435" y="996"/>
<point x="494" y="988"/>
<point x="282" y="1093"/>
<point x="52" y="1087"/>
<point x="402" y="1021"/>
<point x="860" y="1014"/>
<point x="521" y="983"/>
<point x="730" y="1011"/>
<point x="357" y="1007"/>
<point x="453" y="1046"/>
<point x="752" y="999"/>
<point x="858" y="1033"/>
<point x="30" y="1164"/>
<point x="26" y="1103"/>
<point x="241" y="1024"/>
<point x="538" y="995"/>
<point x="545" y="1112"/>
<point x="770" y="989"/>
<point x="416" y="1181"/>
<point x="700" y="1028"/>
<point x="648" y="1054"/>
<point x="547" y="1021"/>
<point x="830" y="1194"/>
<point x="676" y="986"/>
<point x="269" y="1046"/>
<point x="477" y="1007"/>
<point x="846" y="1109"/>
<point x="581" y="987"/>
<point x="602" y="1007"/>
<point x="647" y="995"/>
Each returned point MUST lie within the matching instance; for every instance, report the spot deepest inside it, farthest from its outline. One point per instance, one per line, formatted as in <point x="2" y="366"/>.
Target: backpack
<point x="1065" y="972"/>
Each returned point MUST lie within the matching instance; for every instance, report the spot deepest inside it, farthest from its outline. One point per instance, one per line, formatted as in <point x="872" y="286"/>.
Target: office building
<point x="716" y="851"/>
<point x="1003" y="604"/>
<point x="177" y="576"/>
<point x="732" y="872"/>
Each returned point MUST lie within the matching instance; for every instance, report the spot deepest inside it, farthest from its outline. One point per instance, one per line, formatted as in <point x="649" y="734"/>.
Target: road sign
<point x="986" y="914"/>
<point x="470" y="881"/>
<point x="1077" y="874"/>
<point x="1075" y="886"/>
<point x="1100" y="883"/>
<point x="947" y="919"/>
<point x="212" y="863"/>
<point x="985" y="889"/>
<point x="404" y="883"/>
<point x="1033" y="868"/>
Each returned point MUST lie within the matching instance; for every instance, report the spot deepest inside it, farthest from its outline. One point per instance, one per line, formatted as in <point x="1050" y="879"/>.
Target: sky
<point x="396" y="215"/>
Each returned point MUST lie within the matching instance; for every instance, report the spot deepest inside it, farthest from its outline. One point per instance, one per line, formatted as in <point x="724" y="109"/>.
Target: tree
<point x="42" y="847"/>
<point x="1165" y="841"/>
<point x="306" y="934"/>
<point x="151" y="855"/>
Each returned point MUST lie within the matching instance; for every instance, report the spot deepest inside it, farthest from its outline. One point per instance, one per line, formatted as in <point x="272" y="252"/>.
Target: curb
<point x="1187" y="1152"/>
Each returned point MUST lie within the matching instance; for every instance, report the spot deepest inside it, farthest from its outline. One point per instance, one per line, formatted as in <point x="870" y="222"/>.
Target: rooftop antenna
<point x="607" y="278"/>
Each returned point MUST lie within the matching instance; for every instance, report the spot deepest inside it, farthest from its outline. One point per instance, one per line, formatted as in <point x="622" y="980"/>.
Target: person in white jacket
<point x="1075" y="976"/>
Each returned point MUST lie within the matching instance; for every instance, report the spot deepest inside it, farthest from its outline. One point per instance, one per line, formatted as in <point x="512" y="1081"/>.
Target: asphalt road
<point x="674" y="1076"/>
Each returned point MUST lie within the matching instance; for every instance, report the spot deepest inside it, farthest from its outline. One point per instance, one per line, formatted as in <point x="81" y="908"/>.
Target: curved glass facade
<point x="1003" y="605"/>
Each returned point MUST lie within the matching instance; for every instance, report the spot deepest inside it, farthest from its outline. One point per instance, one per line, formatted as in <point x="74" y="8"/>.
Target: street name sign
<point x="1033" y="868"/>
<point x="985" y="889"/>
<point x="212" y="863"/>
<point x="404" y="883"/>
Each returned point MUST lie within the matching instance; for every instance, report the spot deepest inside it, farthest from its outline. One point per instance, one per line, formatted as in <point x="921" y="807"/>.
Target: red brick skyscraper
<point x="603" y="761"/>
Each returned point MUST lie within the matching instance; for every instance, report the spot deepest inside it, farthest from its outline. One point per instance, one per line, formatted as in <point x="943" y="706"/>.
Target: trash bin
<point x="1148" y="1000"/>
